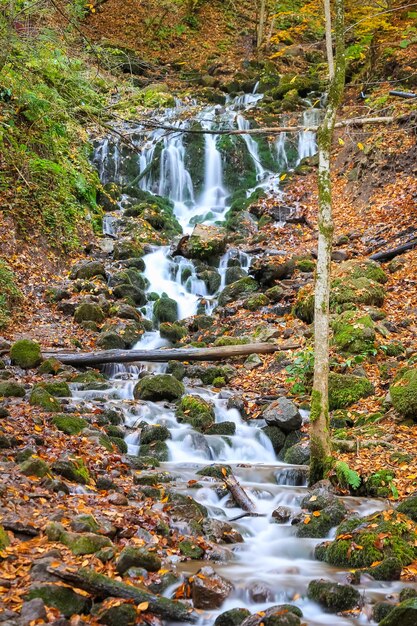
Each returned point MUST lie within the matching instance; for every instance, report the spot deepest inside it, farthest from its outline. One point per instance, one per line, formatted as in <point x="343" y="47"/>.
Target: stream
<point x="272" y="565"/>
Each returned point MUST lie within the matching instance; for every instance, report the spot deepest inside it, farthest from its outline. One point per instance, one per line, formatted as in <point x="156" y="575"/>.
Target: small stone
<point x="32" y="610"/>
<point x="281" y="515"/>
<point x="118" y="499"/>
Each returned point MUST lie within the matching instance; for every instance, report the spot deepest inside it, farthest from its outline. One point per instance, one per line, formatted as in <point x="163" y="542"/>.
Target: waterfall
<point x="253" y="148"/>
<point x="307" y="145"/>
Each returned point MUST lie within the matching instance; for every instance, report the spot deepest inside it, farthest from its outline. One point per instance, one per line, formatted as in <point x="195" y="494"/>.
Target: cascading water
<point x="271" y="556"/>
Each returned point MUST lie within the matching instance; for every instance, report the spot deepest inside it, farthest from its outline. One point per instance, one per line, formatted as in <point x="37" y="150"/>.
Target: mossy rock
<point x="395" y="348"/>
<point x="67" y="601"/>
<point x="91" y="376"/>
<point x="320" y="523"/>
<point x="172" y="332"/>
<point x="186" y="508"/>
<point x="231" y="341"/>
<point x="233" y="617"/>
<point x="26" y="353"/>
<point x="222" y="428"/>
<point x="256" y="302"/>
<point x="127" y="249"/>
<point x="78" y="543"/>
<point x="404" y="394"/>
<point x="85" y="524"/>
<point x="346" y="389"/>
<point x="88" y="269"/>
<point x="190" y="549"/>
<point x="154" y="432"/>
<point x="129" y="276"/>
<point x="51" y="366"/>
<point x="10" y="389"/>
<point x="123" y="615"/>
<point x="298" y="454"/>
<point x="353" y="332"/>
<point x="405" y="614"/>
<point x="334" y="597"/>
<point x="111" y="340"/>
<point x="211" y="279"/>
<point x="276" y="436"/>
<point x="215" y="471"/>
<point x="379" y="484"/>
<point x="72" y="469"/>
<point x="39" y="396"/>
<point x="89" y="312"/>
<point x="399" y="541"/>
<point x="176" y="369"/>
<point x="158" y="387"/>
<point x="120" y="444"/>
<point x="364" y="269"/>
<point x="34" y="466"/>
<point x="195" y="411"/>
<point x="165" y="309"/>
<point x="306" y="265"/>
<point x="157" y="450"/>
<point x="268" y="269"/>
<point x="57" y="389"/>
<point x="242" y="287"/>
<point x="205" y="243"/>
<point x="4" y="538"/>
<point x="137" y="557"/>
<point x="409" y="507"/>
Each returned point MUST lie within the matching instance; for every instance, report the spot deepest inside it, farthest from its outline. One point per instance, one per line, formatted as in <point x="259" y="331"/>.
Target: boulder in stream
<point x="405" y="614"/>
<point x="158" y="387"/>
<point x="205" y="243"/>
<point x="196" y="411"/>
<point x="26" y="353"/>
<point x="284" y="414"/>
<point x="279" y="615"/>
<point x="233" y="617"/>
<point x="334" y="597"/>
<point x="208" y="589"/>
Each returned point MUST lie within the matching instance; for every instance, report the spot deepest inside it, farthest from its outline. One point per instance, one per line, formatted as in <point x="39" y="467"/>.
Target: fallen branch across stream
<point x="172" y="354"/>
<point x="239" y="494"/>
<point x="105" y="587"/>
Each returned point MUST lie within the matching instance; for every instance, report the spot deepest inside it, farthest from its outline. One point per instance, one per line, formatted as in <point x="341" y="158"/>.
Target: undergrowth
<point x="10" y="294"/>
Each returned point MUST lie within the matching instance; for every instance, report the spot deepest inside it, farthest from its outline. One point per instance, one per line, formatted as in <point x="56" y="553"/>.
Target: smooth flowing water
<point x="272" y="565"/>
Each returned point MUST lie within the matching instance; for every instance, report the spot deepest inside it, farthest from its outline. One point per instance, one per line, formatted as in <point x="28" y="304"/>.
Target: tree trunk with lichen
<point x="320" y="442"/>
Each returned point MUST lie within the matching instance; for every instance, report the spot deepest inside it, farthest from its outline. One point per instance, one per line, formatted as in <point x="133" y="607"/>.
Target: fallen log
<point x="172" y="354"/>
<point x="239" y="494"/>
<point x="391" y="254"/>
<point x="105" y="587"/>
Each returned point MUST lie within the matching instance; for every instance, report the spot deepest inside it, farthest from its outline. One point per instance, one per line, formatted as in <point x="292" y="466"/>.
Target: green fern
<point x="347" y="476"/>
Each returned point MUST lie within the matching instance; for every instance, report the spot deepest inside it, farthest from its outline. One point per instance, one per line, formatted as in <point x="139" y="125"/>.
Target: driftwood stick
<point x="105" y="587"/>
<point x="391" y="254"/>
<point x="161" y="356"/>
<point x="247" y="514"/>
<point x="239" y="494"/>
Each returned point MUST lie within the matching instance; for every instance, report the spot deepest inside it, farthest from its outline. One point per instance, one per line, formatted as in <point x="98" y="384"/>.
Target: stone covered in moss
<point x="67" y="601"/>
<point x="190" y="549"/>
<point x="10" y="389"/>
<point x="409" y="507"/>
<point x="333" y="596"/>
<point x="297" y="454"/>
<point x="165" y="309"/>
<point x="205" y="243"/>
<point x="215" y="471"/>
<point x="379" y="484"/>
<point x="196" y="411"/>
<point x="39" y="396"/>
<point x="364" y="269"/>
<point x="172" y="332"/>
<point x="405" y="614"/>
<point x="89" y="312"/>
<point x="276" y="436"/>
<point x="233" y="617"/>
<point x="321" y="521"/>
<point x="238" y="289"/>
<point x="26" y="353"/>
<point x="79" y="544"/>
<point x="256" y="302"/>
<point x="404" y="394"/>
<point x="158" y="387"/>
<point x="57" y="389"/>
<point x="353" y="332"/>
<point x="399" y="536"/>
<point x="137" y="557"/>
<point x="268" y="269"/>
<point x="72" y="469"/>
<point x="222" y="428"/>
<point x="182" y="507"/>
<point x="157" y="450"/>
<point x="154" y="432"/>
<point x="278" y="615"/>
<point x="34" y="466"/>
<point x="122" y="615"/>
<point x="51" y="366"/>
<point x="346" y="389"/>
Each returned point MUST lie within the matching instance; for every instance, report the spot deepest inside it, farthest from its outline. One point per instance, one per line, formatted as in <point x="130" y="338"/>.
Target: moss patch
<point x="345" y="389"/>
<point x="26" y="353"/>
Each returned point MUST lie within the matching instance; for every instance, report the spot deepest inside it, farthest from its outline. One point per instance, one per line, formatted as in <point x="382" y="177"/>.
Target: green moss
<point x="241" y="287"/>
<point x="409" y="507"/>
<point x="215" y="471"/>
<point x="172" y="332"/>
<point x="345" y="389"/>
<point x="356" y="291"/>
<point x="73" y="470"/>
<point x="320" y="525"/>
<point x="256" y="302"/>
<point x="404" y="394"/>
<point x="157" y="450"/>
<point x="34" y="466"/>
<point x="306" y="265"/>
<point x="231" y="341"/>
<point x="154" y="432"/>
<point x="190" y="549"/>
<point x="26" y="353"/>
<point x="120" y="444"/>
<point x="64" y="599"/>
<point x="158" y="387"/>
<point x="365" y="269"/>
<point x="304" y="305"/>
<point x="41" y="397"/>
<point x="4" y="538"/>
<point x="195" y="411"/>
<point x="353" y="332"/>
<point x="137" y="557"/>
<point x="380" y="484"/>
<point x="404" y="614"/>
<point x="51" y="366"/>
<point x="123" y="615"/>
<point x="10" y="389"/>
<point x="333" y="596"/>
<point x="10" y="294"/>
<point x="165" y="309"/>
<point x="233" y="617"/>
<point x="57" y="389"/>
<point x="89" y="312"/>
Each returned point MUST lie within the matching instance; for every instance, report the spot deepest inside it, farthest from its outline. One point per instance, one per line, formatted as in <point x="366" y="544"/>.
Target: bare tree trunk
<point x="329" y="44"/>
<point x="321" y="450"/>
<point x="261" y="23"/>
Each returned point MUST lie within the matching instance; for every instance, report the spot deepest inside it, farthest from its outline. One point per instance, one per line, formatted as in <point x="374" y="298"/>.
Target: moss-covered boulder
<point x="404" y="394"/>
<point x="137" y="557"/>
<point x="111" y="340"/>
<point x="34" y="466"/>
<point x="211" y="279"/>
<point x="346" y="389"/>
<point x="88" y="269"/>
<point x="127" y="249"/>
<point x="276" y="436"/>
<point x="89" y="312"/>
<point x="364" y="269"/>
<point x="10" y="389"/>
<point x="238" y="289"/>
<point x="158" y="387"/>
<point x="172" y="332"/>
<point x="233" y="617"/>
<point x="365" y="542"/>
<point x="122" y="615"/>
<point x="4" y="538"/>
<point x="26" y="353"/>
<point x="191" y="549"/>
<point x="78" y="543"/>
<point x="196" y="411"/>
<point x="157" y="450"/>
<point x="278" y="615"/>
<point x="319" y="523"/>
<point x="69" y="424"/>
<point x="334" y="597"/>
<point x="165" y="309"/>
<point x="409" y="507"/>
<point x="353" y="332"/>
<point x="57" y="389"/>
<point x="222" y="428"/>
<point x="405" y="614"/>
<point x="253" y="303"/>
<point x="297" y="454"/>
<point x="129" y="276"/>
<point x="39" y="396"/>
<point x="182" y="507"/>
<point x="72" y="469"/>
<point x="380" y="484"/>
<point x="267" y="269"/>
<point x="154" y="432"/>
<point x="67" y="601"/>
<point x="205" y="243"/>
<point x="51" y="366"/>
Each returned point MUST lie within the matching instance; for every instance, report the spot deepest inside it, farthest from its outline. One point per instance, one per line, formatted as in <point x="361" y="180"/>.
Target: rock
<point x="217" y="530"/>
<point x="405" y="614"/>
<point x="280" y="615"/>
<point x="165" y="581"/>
<point x="157" y="451"/>
<point x="317" y="499"/>
<point x="154" y="432"/>
<point x="409" y="507"/>
<point x="51" y="366"/>
<point x="353" y="332"/>
<point x="298" y="454"/>
<point x="130" y="276"/>
<point x="69" y="424"/>
<point x="255" y="302"/>
<point x="137" y="557"/>
<point x="403" y="394"/>
<point x="281" y="515"/>
<point x="233" y="617"/>
<point x="158" y="387"/>
<point x="172" y="332"/>
<point x="260" y="592"/>
<point x="208" y="589"/>
<point x="241" y="287"/>
<point x="165" y="309"/>
<point x="268" y="269"/>
<point x="126" y="312"/>
<point x="381" y="610"/>
<point x="57" y="389"/>
<point x="118" y="499"/>
<point x="72" y="469"/>
<point x="32" y="610"/>
<point x="345" y="389"/>
<point x="10" y="389"/>
<point x="185" y="508"/>
<point x="190" y="549"/>
<point x="222" y="428"/>
<point x="34" y="466"/>
<point x="39" y="396"/>
<point x="79" y="544"/>
<point x="321" y="521"/>
<point x="26" y="354"/>
<point x="333" y="596"/>
<point x="61" y="598"/>
<point x="252" y="362"/>
<point x="131" y="293"/>
<point x="284" y="414"/>
<point x="196" y="411"/>
<point x="233" y="274"/>
<point x="276" y="436"/>
<point x="205" y="243"/>
<point x="87" y="270"/>
<point x="89" y="312"/>
<point x="123" y="615"/>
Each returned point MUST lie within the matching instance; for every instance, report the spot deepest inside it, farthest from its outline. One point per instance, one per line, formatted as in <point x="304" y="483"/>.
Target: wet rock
<point x="172" y="332"/>
<point x="87" y="270"/>
<point x="276" y="436"/>
<point x="208" y="589"/>
<point x="407" y="593"/>
<point x="79" y="544"/>
<point x="281" y="515"/>
<point x="381" y="610"/>
<point x="157" y="450"/>
<point x="233" y="617"/>
<point x="405" y="614"/>
<point x="165" y="309"/>
<point x="284" y="414"/>
<point x="61" y="598"/>
<point x="51" y="366"/>
<point x="32" y="610"/>
<point x="10" y="389"/>
<point x="73" y="470"/>
<point x="137" y="557"/>
<point x="216" y="530"/>
<point x="69" y="424"/>
<point x="332" y="596"/>
<point x="318" y="499"/>
<point x="89" y="312"/>
<point x="185" y="508"/>
<point x="123" y="615"/>
<point x="26" y="353"/>
<point x="196" y="411"/>
<point x="243" y="286"/>
<point x="190" y="549"/>
<point x="158" y="387"/>
<point x="165" y="581"/>
<point x="233" y="274"/>
<point x="298" y="454"/>
<point x="321" y="521"/>
<point x="222" y="428"/>
<point x="205" y="243"/>
<point x="154" y="432"/>
<point x="34" y="466"/>
<point x="280" y="615"/>
<point x="260" y="592"/>
<point x="125" y="249"/>
<point x="131" y="293"/>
